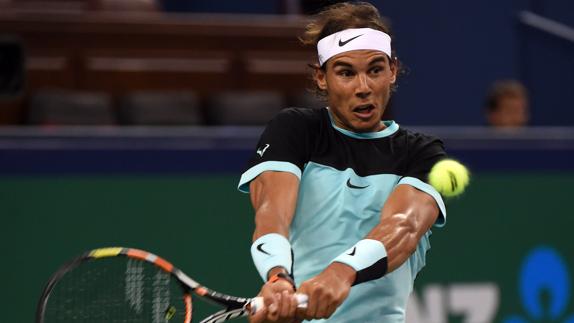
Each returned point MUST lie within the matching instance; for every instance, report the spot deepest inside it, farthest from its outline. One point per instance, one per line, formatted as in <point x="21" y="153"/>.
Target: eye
<point x="345" y="73"/>
<point x="377" y="70"/>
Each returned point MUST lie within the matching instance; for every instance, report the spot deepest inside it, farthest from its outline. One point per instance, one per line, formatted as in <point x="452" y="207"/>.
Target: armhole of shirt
<point x="277" y="166"/>
<point x="422" y="186"/>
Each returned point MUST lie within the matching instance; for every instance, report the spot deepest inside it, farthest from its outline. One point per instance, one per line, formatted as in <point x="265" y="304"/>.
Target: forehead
<point x="359" y="57"/>
<point x="512" y="101"/>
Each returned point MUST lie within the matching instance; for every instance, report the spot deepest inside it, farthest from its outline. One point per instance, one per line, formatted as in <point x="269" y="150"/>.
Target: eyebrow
<point x="376" y="60"/>
<point x="343" y="64"/>
<point x="380" y="59"/>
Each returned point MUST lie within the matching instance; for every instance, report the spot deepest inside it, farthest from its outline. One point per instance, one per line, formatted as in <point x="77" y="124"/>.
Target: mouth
<point x="364" y="111"/>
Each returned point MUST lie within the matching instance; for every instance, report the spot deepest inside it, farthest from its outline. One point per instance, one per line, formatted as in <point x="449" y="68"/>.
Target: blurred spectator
<point x="11" y="66"/>
<point x="507" y="104"/>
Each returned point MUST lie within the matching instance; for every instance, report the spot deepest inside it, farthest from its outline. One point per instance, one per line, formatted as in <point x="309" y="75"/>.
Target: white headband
<point x="353" y="39"/>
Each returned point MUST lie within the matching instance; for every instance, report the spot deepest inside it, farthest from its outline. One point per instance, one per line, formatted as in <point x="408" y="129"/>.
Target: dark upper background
<point x="455" y="49"/>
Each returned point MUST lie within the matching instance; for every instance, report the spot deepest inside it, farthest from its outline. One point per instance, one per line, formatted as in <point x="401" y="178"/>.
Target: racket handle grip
<point x="257" y="302"/>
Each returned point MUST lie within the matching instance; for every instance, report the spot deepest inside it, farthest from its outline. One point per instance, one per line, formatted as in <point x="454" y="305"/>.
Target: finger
<point x="312" y="306"/>
<point x="280" y="305"/>
<point x="268" y="299"/>
<point x="293" y="305"/>
<point x="284" y="309"/>
<point x="322" y="308"/>
<point x="275" y="307"/>
<point x="300" y="314"/>
<point x="331" y="309"/>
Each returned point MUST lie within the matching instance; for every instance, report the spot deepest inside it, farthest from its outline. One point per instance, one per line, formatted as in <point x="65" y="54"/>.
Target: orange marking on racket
<point x="187" y="300"/>
<point x="138" y="254"/>
<point x="201" y="291"/>
<point x="164" y="264"/>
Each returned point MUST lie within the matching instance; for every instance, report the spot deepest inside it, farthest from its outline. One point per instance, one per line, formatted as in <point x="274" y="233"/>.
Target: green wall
<point x="494" y="226"/>
<point x="203" y="225"/>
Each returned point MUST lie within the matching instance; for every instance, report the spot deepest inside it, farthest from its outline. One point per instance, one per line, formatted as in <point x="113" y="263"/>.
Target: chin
<point x="367" y="127"/>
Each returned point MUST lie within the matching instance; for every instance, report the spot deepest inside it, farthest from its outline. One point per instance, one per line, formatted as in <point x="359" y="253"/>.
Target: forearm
<point x="406" y="217"/>
<point x="271" y="219"/>
<point x="400" y="236"/>
<point x="274" y="197"/>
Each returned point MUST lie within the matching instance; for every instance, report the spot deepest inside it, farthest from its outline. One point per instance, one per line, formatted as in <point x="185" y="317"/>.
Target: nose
<point x="363" y="90"/>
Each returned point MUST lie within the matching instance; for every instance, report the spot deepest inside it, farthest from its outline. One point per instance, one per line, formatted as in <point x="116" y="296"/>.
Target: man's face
<point x="358" y="85"/>
<point x="511" y="112"/>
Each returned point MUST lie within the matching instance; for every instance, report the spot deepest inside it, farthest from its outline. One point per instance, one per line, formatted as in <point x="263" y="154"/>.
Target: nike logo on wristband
<point x="352" y="253"/>
<point x="260" y="249"/>
<point x="355" y="186"/>
<point x="345" y="42"/>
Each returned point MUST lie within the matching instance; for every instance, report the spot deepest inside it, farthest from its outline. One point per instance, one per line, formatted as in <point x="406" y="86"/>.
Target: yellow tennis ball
<point x="449" y="177"/>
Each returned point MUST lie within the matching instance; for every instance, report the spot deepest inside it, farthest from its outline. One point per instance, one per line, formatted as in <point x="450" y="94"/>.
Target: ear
<point x="394" y="70"/>
<point x="320" y="77"/>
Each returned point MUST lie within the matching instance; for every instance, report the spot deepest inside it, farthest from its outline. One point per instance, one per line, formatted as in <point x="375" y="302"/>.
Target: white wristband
<point x="269" y="251"/>
<point x="369" y="259"/>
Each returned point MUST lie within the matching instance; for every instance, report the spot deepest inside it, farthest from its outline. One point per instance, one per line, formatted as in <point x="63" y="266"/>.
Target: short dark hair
<point x="504" y="89"/>
<point x="343" y="16"/>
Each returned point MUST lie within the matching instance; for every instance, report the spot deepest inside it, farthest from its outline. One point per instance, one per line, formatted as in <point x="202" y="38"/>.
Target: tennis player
<point x="342" y="209"/>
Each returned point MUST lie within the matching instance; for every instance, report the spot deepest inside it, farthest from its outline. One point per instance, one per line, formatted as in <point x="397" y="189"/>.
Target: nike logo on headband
<point x="343" y="43"/>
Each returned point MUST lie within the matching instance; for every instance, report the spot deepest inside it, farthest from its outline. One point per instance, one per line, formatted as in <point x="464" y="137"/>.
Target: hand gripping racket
<point x="130" y="285"/>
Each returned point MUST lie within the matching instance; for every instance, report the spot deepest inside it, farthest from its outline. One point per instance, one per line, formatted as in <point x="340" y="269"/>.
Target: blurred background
<point x="129" y="122"/>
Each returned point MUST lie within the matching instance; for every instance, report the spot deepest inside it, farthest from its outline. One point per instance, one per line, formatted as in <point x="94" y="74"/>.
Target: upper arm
<point x="274" y="198"/>
<point x="424" y="153"/>
<point x="273" y="173"/>
<point x="414" y="205"/>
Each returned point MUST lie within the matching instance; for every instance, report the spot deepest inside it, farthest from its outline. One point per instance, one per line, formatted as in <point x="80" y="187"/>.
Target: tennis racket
<point x="131" y="285"/>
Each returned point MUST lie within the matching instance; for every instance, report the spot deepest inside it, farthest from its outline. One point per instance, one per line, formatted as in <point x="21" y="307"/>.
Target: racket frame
<point x="234" y="306"/>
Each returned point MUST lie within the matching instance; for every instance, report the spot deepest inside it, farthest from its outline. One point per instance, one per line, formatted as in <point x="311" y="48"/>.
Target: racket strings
<point x="118" y="290"/>
<point x="134" y="290"/>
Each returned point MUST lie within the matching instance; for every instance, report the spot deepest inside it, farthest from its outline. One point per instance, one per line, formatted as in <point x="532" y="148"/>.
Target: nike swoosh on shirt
<point x="355" y="186"/>
<point x="352" y="253"/>
<point x="260" y="248"/>
<point x="345" y="42"/>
